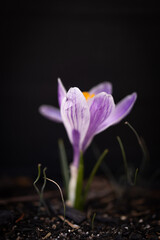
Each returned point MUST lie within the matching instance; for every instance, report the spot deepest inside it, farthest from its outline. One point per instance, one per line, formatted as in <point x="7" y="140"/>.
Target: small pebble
<point x="147" y="226"/>
<point x="141" y="220"/>
<point x="123" y="218"/>
<point x="54" y="226"/>
<point x="126" y="228"/>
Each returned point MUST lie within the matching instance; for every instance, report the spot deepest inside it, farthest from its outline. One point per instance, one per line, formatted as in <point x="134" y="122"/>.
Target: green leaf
<point x="92" y="221"/>
<point x="40" y="192"/>
<point x="64" y="165"/>
<point x="94" y="170"/>
<point x="128" y="177"/>
<point x="135" y="177"/>
<point x="104" y="167"/>
<point x="78" y="204"/>
<point x="124" y="160"/>
<point x="145" y="152"/>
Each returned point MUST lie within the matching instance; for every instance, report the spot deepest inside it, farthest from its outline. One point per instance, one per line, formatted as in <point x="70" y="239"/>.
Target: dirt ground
<point x="132" y="214"/>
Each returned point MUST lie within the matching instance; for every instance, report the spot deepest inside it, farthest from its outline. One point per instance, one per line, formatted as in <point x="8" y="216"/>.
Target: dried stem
<point x="64" y="207"/>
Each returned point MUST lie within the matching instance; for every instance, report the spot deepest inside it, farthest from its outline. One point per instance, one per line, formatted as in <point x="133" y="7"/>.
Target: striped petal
<point x="51" y="113"/>
<point x="122" y="109"/>
<point x="75" y="114"/>
<point x="76" y="147"/>
<point x="100" y="108"/>
<point x="61" y="91"/>
<point x="102" y="87"/>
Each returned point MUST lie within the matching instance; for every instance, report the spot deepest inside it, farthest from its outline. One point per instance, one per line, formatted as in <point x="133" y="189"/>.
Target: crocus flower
<point x="84" y="115"/>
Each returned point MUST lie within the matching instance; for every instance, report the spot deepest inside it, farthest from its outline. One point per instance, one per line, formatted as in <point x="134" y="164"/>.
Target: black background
<point x="83" y="43"/>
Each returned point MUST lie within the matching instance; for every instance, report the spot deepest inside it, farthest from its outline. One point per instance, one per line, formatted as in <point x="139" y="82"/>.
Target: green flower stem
<point x="78" y="203"/>
<point x="72" y="185"/>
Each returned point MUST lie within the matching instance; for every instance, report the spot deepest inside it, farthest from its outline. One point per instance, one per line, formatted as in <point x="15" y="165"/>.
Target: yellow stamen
<point x="87" y="95"/>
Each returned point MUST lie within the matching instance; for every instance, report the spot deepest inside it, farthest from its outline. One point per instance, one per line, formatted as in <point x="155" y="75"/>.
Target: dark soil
<point x="135" y="215"/>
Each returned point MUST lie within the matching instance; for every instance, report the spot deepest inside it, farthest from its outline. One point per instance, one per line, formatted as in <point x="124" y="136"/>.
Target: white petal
<point x="75" y="113"/>
<point x="61" y="91"/>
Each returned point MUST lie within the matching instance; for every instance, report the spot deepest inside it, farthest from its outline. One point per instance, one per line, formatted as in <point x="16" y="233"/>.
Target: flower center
<point x="87" y="95"/>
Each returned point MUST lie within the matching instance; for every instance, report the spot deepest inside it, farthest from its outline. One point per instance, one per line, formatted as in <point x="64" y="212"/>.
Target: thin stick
<point x="64" y="207"/>
<point x="39" y="174"/>
<point x="44" y="183"/>
<point x="40" y="192"/>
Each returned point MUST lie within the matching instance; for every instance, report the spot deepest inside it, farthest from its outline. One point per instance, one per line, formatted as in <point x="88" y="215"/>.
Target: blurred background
<point x="83" y="43"/>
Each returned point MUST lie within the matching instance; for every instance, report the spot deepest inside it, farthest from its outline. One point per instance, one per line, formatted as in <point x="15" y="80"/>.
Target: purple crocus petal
<point x="61" y="91"/>
<point x="51" y="113"/>
<point x="75" y="113"/>
<point x="100" y="108"/>
<point x="122" y="109"/>
<point x="102" y="87"/>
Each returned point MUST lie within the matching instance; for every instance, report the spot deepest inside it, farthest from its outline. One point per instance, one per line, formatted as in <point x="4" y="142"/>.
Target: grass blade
<point x="141" y="143"/>
<point x="145" y="152"/>
<point x="124" y="160"/>
<point x="104" y="167"/>
<point x="40" y="192"/>
<point x="135" y="177"/>
<point x="94" y="170"/>
<point x="64" y="165"/>
<point x="92" y="221"/>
